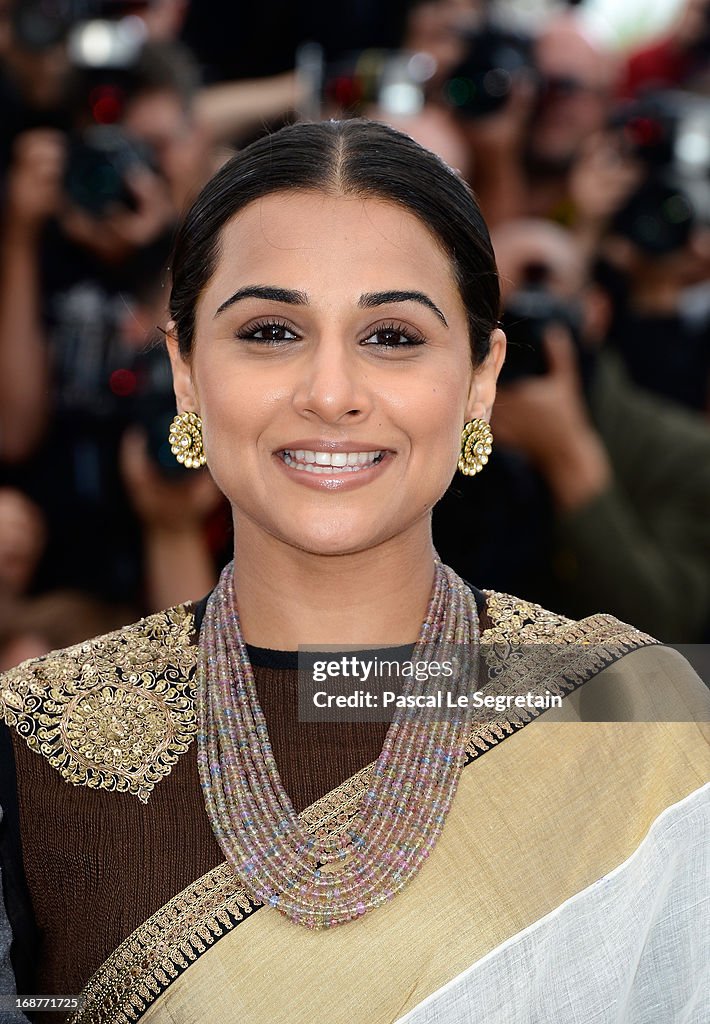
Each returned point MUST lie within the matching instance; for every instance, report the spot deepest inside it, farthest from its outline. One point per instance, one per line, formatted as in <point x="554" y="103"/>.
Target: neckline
<point x="266" y="657"/>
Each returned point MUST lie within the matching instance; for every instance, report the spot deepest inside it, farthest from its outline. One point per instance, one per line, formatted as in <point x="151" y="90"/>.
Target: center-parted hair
<point x="352" y="158"/>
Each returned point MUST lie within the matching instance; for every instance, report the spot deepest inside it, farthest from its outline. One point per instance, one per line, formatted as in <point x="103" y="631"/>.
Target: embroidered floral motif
<point x="516" y="621"/>
<point x="113" y="713"/>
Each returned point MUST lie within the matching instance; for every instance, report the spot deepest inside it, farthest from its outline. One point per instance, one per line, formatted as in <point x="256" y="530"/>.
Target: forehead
<point x="330" y="245"/>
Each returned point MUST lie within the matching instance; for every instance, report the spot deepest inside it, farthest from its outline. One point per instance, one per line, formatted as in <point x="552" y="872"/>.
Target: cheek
<point x="228" y="421"/>
<point x="440" y="415"/>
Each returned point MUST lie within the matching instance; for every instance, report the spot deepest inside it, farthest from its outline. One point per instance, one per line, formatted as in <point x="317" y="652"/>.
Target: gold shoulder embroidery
<point x="112" y="713"/>
<point x="518" y="621"/>
<point x="530" y="649"/>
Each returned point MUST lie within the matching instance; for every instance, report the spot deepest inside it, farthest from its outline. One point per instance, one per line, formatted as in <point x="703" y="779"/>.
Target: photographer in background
<point x="34" y="69"/>
<point x="520" y="116"/>
<point x="85" y="217"/>
<point x="573" y="102"/>
<point x="657" y="249"/>
<point x="604" y="486"/>
<point x="661" y="323"/>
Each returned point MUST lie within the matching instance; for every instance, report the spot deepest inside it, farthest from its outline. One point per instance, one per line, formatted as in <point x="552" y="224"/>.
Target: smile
<point x="330" y="463"/>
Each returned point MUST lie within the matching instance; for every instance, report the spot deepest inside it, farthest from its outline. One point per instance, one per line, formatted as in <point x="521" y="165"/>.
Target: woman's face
<point x="332" y="370"/>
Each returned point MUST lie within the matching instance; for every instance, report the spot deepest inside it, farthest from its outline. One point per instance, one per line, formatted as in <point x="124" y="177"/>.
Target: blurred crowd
<point x="592" y="166"/>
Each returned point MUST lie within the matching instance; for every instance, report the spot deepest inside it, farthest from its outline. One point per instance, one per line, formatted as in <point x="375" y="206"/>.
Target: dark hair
<point x="355" y="157"/>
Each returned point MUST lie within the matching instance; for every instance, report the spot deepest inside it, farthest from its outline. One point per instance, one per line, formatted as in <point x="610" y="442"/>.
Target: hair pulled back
<point x="355" y="158"/>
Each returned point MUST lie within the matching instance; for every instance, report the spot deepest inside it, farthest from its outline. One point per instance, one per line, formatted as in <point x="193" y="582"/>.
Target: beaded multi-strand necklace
<point x="413" y="781"/>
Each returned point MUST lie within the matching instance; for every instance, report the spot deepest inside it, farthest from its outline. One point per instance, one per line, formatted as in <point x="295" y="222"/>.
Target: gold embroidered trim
<point x="113" y="713"/>
<point x="532" y="650"/>
<point x="145" y="964"/>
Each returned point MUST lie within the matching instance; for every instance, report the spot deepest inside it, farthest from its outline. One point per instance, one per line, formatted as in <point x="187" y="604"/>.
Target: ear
<point x="482" y="392"/>
<point x="186" y="395"/>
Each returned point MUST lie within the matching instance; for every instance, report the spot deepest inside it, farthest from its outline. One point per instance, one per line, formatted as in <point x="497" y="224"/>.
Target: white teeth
<point x="330" y="462"/>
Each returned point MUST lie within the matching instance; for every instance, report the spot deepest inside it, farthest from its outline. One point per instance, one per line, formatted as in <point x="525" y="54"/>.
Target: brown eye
<point x="394" y="336"/>
<point x="389" y="337"/>
<point x="270" y="333"/>
<point x="273" y="332"/>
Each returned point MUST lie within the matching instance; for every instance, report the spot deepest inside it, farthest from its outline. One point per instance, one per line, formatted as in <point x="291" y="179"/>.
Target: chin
<point x="337" y="541"/>
<point x="334" y="546"/>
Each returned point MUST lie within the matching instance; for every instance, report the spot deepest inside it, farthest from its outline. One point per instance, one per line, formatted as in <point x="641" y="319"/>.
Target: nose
<point x="333" y="384"/>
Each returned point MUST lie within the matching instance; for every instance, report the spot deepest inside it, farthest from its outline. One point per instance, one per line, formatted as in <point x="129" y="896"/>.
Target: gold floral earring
<point x="476" y="446"/>
<point x="186" y="440"/>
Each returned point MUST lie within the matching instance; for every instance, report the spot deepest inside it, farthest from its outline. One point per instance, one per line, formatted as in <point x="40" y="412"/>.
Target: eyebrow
<point x="371" y="299"/>
<point x="295" y="298"/>
<point x="264" y="291"/>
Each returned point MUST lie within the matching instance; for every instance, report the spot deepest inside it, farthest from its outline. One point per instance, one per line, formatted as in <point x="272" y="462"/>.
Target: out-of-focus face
<point x="40" y="74"/>
<point x="22" y="536"/>
<point x="575" y="98"/>
<point x="554" y="251"/>
<point x="332" y="410"/>
<point x="181" y="150"/>
<point x="163" y="19"/>
<point x="524" y="243"/>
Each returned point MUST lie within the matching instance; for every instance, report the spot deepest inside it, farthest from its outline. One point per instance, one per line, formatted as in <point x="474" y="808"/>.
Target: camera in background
<point x="529" y="313"/>
<point x="482" y="84"/>
<point x="669" y="132"/>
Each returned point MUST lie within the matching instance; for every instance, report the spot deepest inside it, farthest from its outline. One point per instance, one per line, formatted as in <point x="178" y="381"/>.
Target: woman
<point x="219" y="858"/>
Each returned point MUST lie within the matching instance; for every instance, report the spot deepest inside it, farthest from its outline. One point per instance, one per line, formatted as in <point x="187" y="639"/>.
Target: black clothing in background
<point x="669" y="355"/>
<point x="236" y="41"/>
<point x="496" y="527"/>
